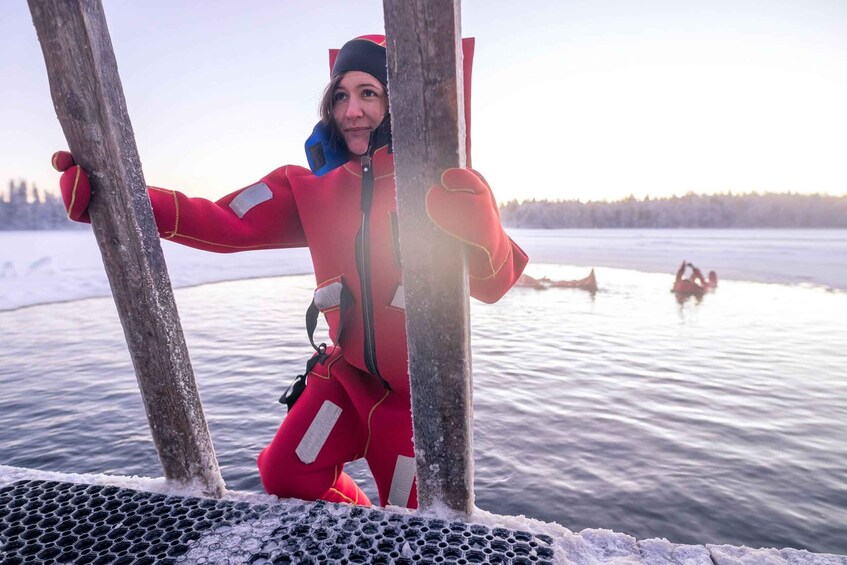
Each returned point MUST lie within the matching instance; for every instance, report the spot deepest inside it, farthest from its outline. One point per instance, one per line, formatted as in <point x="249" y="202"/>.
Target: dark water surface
<point x="723" y="421"/>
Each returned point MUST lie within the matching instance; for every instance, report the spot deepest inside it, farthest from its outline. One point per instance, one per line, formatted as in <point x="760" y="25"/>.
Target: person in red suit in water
<point x="353" y="401"/>
<point x="695" y="284"/>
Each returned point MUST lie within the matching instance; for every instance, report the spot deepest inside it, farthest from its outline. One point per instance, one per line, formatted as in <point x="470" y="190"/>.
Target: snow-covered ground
<point x="59" y="266"/>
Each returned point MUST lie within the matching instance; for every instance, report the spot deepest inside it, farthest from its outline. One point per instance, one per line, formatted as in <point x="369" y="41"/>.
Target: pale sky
<point x="577" y="99"/>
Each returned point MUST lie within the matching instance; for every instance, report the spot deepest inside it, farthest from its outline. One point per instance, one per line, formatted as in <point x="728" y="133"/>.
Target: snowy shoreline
<point x="61" y="266"/>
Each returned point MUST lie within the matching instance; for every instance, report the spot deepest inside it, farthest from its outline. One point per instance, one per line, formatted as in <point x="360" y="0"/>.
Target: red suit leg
<point x="343" y="414"/>
<point x="390" y="454"/>
<point x="322" y="432"/>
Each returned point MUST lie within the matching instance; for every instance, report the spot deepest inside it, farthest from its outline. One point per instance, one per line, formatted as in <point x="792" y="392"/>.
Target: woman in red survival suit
<point x="353" y="400"/>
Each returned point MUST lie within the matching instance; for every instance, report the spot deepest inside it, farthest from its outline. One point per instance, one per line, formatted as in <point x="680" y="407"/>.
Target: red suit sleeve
<point x="262" y="215"/>
<point x="463" y="205"/>
<point x="491" y="286"/>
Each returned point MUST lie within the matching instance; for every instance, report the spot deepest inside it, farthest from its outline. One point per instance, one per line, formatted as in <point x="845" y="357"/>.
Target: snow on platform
<point x="59" y="518"/>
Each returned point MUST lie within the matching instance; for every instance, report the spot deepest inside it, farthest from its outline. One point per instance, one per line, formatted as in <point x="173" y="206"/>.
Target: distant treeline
<point x="689" y="211"/>
<point x="26" y="208"/>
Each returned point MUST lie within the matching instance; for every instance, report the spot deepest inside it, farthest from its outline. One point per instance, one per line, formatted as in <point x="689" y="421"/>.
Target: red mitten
<point x="463" y="206"/>
<point x="76" y="191"/>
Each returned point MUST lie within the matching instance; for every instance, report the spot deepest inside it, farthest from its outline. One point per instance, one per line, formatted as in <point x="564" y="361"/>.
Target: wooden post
<point x="427" y="112"/>
<point x="90" y="105"/>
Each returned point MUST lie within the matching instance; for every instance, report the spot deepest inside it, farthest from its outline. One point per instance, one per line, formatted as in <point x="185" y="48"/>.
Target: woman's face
<point x="358" y="107"/>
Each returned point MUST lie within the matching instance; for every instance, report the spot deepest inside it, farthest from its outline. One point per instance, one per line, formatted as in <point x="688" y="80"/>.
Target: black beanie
<point x="363" y="54"/>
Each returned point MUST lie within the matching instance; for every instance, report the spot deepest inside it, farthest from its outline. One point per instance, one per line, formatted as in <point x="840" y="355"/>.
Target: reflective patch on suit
<point x="399" y="300"/>
<point x="249" y="198"/>
<point x="401" y="482"/>
<point x="318" y="432"/>
<point x="328" y="296"/>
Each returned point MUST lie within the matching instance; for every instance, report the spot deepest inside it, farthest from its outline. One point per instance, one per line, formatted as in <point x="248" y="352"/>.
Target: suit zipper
<point x="365" y="269"/>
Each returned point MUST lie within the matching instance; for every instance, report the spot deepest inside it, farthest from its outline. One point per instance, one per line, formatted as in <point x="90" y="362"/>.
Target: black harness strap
<point x="313" y="312"/>
<point x="311" y="323"/>
<point x="296" y="388"/>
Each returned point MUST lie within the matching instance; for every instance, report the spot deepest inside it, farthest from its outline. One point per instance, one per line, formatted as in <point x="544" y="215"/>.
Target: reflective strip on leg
<point x="318" y="432"/>
<point x="401" y="482"/>
<point x="399" y="300"/>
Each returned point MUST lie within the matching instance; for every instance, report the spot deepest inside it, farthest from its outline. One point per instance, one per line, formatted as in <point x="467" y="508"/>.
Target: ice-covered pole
<point x="427" y="113"/>
<point x="91" y="108"/>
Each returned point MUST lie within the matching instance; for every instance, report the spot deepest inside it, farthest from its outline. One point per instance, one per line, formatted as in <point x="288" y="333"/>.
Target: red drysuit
<point x="356" y="403"/>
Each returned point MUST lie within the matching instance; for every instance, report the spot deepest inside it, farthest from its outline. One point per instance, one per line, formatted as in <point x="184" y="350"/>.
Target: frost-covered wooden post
<point x="427" y="112"/>
<point x="90" y="105"/>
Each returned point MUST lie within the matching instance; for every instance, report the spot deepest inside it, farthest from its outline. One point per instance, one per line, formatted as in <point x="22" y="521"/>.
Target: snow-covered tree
<point x="753" y="210"/>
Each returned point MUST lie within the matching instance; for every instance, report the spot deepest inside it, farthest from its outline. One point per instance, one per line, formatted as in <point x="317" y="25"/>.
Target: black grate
<point x="57" y="522"/>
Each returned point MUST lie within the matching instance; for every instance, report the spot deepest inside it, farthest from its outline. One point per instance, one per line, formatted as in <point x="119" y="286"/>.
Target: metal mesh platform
<point x="59" y="522"/>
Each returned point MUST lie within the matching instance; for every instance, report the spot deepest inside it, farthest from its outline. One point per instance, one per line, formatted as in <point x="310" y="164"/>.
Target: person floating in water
<point x="588" y="283"/>
<point x="695" y="284"/>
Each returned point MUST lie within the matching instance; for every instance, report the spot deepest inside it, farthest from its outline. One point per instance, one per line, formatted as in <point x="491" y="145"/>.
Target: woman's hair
<point x="327" y="103"/>
<point x="325" y="108"/>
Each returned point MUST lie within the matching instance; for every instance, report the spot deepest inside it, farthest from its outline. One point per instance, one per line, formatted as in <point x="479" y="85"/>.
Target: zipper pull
<point x="367" y="184"/>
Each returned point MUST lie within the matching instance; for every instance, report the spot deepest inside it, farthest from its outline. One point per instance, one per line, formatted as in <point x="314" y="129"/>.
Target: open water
<point x="718" y="421"/>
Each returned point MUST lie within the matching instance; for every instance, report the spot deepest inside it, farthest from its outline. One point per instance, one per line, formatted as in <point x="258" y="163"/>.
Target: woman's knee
<point x="287" y="478"/>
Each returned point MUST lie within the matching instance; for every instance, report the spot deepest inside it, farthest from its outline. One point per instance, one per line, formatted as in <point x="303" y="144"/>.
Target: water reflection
<point x="683" y="297"/>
